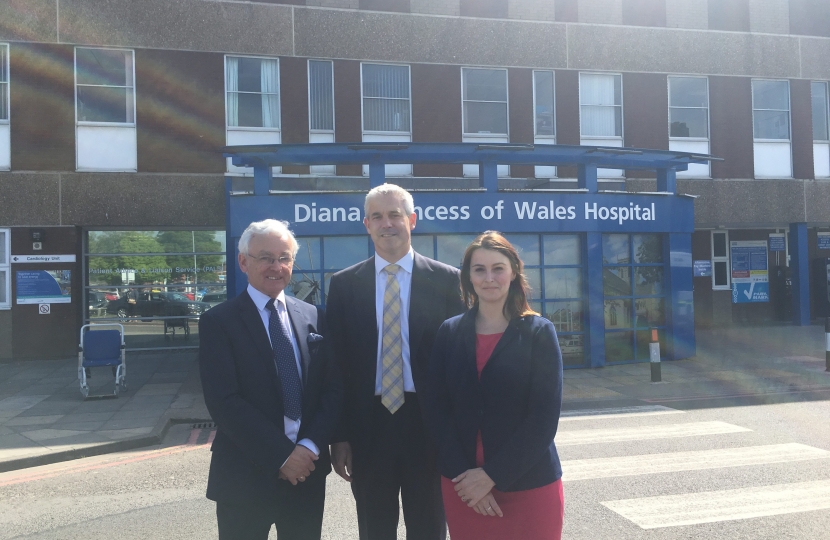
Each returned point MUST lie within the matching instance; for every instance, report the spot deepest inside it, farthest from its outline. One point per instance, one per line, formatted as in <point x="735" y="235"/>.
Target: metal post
<point x="827" y="343"/>
<point x="654" y="356"/>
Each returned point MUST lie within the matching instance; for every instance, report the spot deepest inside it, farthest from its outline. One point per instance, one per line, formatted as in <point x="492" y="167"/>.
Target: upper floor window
<point x="543" y="104"/>
<point x="771" y="110"/>
<point x="600" y="105"/>
<point x="821" y="130"/>
<point x="386" y="98"/>
<point x="320" y="96"/>
<point x="253" y="87"/>
<point x="688" y="107"/>
<point x="4" y="82"/>
<point x="5" y="271"/>
<point x="484" y="98"/>
<point x="104" y="86"/>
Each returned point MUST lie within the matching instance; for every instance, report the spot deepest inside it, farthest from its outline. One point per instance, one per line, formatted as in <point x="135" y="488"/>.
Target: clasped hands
<point x="299" y="465"/>
<point x="475" y="487"/>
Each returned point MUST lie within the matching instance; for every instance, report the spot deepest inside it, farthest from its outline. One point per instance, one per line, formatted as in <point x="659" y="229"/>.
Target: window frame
<point x="333" y="101"/>
<point x="507" y="104"/>
<point x="279" y="94"/>
<point x="363" y="129"/>
<point x="724" y="259"/>
<point x="7" y="82"/>
<point x="789" y="110"/>
<point x="75" y="79"/>
<point x="7" y="267"/>
<point x="826" y="109"/>
<point x="621" y="136"/>
<point x="708" y="138"/>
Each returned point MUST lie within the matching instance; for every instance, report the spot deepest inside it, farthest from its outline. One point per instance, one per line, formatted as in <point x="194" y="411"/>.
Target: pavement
<point x="44" y="419"/>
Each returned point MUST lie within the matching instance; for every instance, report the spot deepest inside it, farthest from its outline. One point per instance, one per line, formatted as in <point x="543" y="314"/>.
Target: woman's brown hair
<point x="516" y="304"/>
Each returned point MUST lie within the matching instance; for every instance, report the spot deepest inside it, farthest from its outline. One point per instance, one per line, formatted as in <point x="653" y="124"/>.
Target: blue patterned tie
<point x="292" y="388"/>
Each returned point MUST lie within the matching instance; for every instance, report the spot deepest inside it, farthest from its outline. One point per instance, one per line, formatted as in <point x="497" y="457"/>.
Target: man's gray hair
<point x="267" y="226"/>
<point x="391" y="189"/>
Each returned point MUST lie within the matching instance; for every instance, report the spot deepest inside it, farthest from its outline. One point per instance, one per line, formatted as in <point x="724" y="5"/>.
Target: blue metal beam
<point x="667" y="180"/>
<point x="800" y="274"/>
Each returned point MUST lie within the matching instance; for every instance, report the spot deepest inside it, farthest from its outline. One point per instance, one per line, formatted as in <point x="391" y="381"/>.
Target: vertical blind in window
<point x="386" y="98"/>
<point x="104" y="85"/>
<point x="484" y="94"/>
<point x="544" y="107"/>
<point x="688" y="107"/>
<point x="771" y="109"/>
<point x="4" y="82"/>
<point x="253" y="92"/>
<point x="820" y="131"/>
<point x="320" y="95"/>
<point x="600" y="99"/>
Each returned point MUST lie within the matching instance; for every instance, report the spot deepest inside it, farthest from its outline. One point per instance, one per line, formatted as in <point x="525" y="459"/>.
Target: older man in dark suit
<point x="272" y="392"/>
<point x="383" y="314"/>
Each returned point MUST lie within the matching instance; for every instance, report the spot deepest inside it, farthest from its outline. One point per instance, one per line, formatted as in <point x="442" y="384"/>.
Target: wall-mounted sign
<point x="778" y="242"/>
<point x="824" y="240"/>
<point x="44" y="309"/>
<point x="702" y="268"/>
<point x="750" y="271"/>
<point x="33" y="259"/>
<point x="44" y="286"/>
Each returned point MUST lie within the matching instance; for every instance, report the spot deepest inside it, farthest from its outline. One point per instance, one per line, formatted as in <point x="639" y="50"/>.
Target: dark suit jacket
<point x="515" y="404"/>
<point x="352" y="322"/>
<point x="244" y="396"/>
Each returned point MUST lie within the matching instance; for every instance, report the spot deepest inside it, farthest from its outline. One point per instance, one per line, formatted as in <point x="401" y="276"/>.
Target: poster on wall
<point x="823" y="240"/>
<point x="750" y="271"/>
<point x="44" y="286"/>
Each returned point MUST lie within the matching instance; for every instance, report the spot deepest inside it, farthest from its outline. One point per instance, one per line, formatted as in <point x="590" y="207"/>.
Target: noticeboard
<point x="750" y="271"/>
<point x="777" y="242"/>
<point x="824" y="240"/>
<point x="702" y="268"/>
<point x="43" y="286"/>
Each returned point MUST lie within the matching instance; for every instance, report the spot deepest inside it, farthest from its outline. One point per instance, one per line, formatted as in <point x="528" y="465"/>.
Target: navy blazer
<point x="243" y="394"/>
<point x="515" y="404"/>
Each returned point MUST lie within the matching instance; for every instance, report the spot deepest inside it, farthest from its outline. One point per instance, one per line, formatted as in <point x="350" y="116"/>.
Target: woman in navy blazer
<point x="493" y="404"/>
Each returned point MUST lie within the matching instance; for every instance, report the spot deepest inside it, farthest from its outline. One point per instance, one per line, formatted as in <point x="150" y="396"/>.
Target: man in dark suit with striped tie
<point x="270" y="387"/>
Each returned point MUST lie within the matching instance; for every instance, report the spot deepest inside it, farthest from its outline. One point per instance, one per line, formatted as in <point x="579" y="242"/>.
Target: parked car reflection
<point x="156" y="304"/>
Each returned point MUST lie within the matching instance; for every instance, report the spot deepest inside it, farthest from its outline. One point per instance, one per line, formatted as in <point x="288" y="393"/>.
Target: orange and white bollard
<point x="654" y="357"/>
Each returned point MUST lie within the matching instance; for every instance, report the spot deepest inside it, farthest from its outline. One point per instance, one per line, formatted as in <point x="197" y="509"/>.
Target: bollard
<point x="827" y="343"/>
<point x="654" y="356"/>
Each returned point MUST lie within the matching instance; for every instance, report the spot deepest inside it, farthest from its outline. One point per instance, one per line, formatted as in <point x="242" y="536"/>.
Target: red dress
<point x="534" y="514"/>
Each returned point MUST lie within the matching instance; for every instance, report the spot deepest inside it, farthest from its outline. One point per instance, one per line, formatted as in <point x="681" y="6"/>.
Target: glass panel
<point x="649" y="312"/>
<point x="643" y="341"/>
<point x="103" y="67"/>
<point x="565" y="316"/>
<point x="386" y="114"/>
<point x="451" y="248"/>
<point x="771" y="95"/>
<point x="601" y="121"/>
<point x="596" y="89"/>
<point x="648" y="280"/>
<point x="4" y="62"/>
<point x="3" y="280"/>
<point x="719" y="244"/>
<point x="104" y="104"/>
<point x="485" y="84"/>
<point x="563" y="283"/>
<point x="3" y="255"/>
<point x="543" y="83"/>
<point x="615" y="249"/>
<point x="619" y="347"/>
<point x="385" y="81"/>
<point x="250" y="75"/>
<point x="689" y="123"/>
<point x="573" y="350"/>
<point x="249" y="112"/>
<point x="648" y="248"/>
<point x="423" y="244"/>
<point x="688" y="92"/>
<point x="4" y="101"/>
<point x="343" y="251"/>
<point x="308" y="258"/>
<point x="536" y="306"/>
<point x="321" y="95"/>
<point x="485" y="117"/>
<point x="616" y="281"/>
<point x="534" y="279"/>
<point x="528" y="247"/>
<point x="562" y="249"/>
<point x="156" y="242"/>
<point x="721" y="277"/>
<point x="819" y="91"/>
<point x="772" y="125"/>
<point x="306" y="286"/>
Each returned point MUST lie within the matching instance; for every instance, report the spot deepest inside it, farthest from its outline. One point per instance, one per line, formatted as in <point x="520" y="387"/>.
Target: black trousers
<point x="398" y="461"/>
<point x="297" y="513"/>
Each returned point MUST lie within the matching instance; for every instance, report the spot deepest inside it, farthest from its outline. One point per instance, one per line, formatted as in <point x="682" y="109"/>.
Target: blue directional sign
<point x="702" y="268"/>
<point x="823" y="240"/>
<point x="777" y="242"/>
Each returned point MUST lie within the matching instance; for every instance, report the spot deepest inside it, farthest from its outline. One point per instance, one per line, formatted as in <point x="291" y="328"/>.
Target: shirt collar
<point x="405" y="262"/>
<point x="260" y="298"/>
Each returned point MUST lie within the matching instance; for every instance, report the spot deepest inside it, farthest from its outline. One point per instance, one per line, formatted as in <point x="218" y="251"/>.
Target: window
<point x="321" y="108"/>
<point x="544" y="112"/>
<point x="484" y="99"/>
<point x="5" y="270"/>
<point x="252" y="103"/>
<point x="563" y="294"/>
<point x="387" y="108"/>
<point x="105" y="109"/>
<point x="720" y="261"/>
<point x="5" y="138"/>
<point x="821" y="133"/>
<point x="771" y="127"/>
<point x="689" y="120"/>
<point x="600" y="113"/>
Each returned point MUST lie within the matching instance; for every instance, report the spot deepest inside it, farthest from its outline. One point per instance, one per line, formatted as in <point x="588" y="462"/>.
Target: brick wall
<point x="770" y="16"/>
<point x="435" y="7"/>
<point x="600" y="11"/>
<point x="531" y="10"/>
<point x="687" y="14"/>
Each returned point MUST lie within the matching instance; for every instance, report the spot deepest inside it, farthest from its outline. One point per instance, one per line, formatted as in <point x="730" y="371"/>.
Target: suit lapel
<point x="420" y="302"/>
<point x="364" y="305"/>
<point x="510" y="333"/>
<point x="250" y="317"/>
<point x="300" y="325"/>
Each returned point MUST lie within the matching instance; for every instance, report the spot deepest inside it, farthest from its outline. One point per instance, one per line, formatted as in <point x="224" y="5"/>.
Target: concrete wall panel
<point x="29" y="199"/>
<point x="29" y="20"/>
<point x="817" y="201"/>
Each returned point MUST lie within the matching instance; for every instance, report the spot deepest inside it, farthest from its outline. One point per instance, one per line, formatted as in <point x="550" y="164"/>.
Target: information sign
<point x="750" y="271"/>
<point x="777" y="242"/>
<point x="44" y="286"/>
<point x="702" y="268"/>
<point x="824" y="240"/>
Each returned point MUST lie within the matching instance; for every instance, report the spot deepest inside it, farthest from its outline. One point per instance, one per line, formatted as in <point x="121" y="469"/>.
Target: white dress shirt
<point x="404" y="277"/>
<point x="292" y="427"/>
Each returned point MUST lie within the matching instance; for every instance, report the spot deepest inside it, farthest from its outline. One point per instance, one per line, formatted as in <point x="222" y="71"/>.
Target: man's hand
<point x="341" y="460"/>
<point x="473" y="485"/>
<point x="298" y="465"/>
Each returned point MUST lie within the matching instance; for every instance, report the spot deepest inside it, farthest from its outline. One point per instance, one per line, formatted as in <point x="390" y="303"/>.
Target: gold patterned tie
<point x="391" y="386"/>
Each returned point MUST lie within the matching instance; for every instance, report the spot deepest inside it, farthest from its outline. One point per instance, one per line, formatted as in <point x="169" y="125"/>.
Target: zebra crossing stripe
<point x="726" y="505"/>
<point x="644" y="433"/>
<point x="591" y="469"/>
<point x="617" y="412"/>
